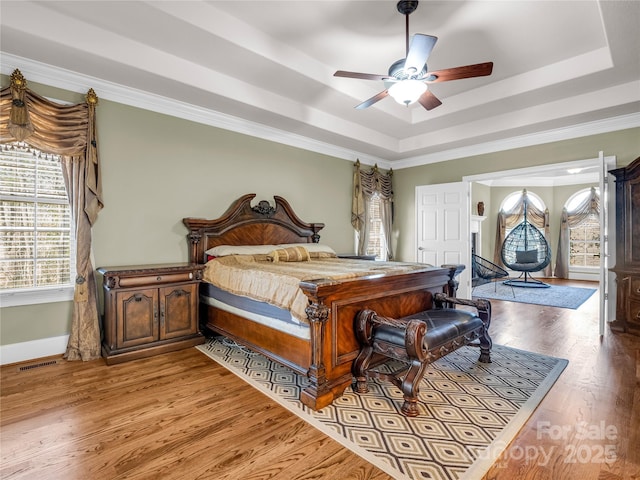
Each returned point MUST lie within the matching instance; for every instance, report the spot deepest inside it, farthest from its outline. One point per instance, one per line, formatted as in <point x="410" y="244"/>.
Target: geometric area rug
<point x="554" y="296"/>
<point x="469" y="411"/>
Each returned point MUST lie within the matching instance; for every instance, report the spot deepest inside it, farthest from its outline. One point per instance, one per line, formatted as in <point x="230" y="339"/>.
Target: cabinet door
<point x="137" y="317"/>
<point x="632" y="220"/>
<point x="178" y="311"/>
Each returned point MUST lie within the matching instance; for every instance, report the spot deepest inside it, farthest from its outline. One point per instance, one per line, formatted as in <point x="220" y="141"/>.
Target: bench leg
<point x="411" y="386"/>
<point x="484" y="312"/>
<point x="359" y="369"/>
<point x="485" y="347"/>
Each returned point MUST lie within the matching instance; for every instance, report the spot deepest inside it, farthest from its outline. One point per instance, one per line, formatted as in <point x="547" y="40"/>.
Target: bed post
<point x="194" y="239"/>
<point x="451" y="288"/>
<point x="318" y="394"/>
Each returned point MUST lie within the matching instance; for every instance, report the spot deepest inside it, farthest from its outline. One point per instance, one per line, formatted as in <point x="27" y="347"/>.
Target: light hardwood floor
<point x="182" y="416"/>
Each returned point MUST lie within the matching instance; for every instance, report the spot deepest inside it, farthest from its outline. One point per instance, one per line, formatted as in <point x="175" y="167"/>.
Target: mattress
<point x="260" y="312"/>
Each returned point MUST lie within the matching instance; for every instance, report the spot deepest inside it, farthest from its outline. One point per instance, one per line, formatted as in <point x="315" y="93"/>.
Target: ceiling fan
<point x="408" y="77"/>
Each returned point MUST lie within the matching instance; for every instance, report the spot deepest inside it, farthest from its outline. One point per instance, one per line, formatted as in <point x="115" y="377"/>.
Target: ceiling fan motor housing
<point x="396" y="70"/>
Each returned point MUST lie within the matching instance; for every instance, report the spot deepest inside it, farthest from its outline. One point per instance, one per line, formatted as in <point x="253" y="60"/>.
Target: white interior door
<point x="442" y="228"/>
<point x="607" y="240"/>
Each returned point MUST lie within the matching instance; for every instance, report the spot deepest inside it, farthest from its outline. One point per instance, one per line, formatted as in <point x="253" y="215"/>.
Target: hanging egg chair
<point x="526" y="250"/>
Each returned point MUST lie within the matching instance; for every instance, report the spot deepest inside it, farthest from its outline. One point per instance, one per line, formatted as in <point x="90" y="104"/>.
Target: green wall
<point x="157" y="169"/>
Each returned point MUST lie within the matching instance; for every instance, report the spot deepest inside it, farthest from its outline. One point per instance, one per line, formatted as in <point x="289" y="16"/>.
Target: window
<point x="36" y="248"/>
<point x="512" y="199"/>
<point x="377" y="241"/>
<point x="584" y="239"/>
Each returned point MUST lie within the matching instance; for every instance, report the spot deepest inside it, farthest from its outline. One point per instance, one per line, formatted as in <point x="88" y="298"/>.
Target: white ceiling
<point x="562" y="69"/>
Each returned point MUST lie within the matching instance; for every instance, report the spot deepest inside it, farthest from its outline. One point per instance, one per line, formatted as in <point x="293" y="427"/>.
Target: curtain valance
<point x="65" y="130"/>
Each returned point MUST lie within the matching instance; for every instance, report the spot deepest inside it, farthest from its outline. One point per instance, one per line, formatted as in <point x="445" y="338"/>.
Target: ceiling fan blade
<point x="428" y="100"/>
<point x="419" y="51"/>
<point x="372" y="100"/>
<point x="362" y="76"/>
<point x="457" y="73"/>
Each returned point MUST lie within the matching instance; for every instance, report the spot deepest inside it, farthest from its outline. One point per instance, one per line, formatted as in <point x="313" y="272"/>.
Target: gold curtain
<point x="366" y="184"/>
<point x="68" y="131"/>
<point x="509" y="219"/>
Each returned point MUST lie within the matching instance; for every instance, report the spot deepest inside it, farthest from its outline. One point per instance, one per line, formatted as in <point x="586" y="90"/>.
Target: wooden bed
<point x="327" y="356"/>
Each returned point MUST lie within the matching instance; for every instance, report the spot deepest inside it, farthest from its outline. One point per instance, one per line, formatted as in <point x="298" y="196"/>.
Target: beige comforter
<point x="278" y="283"/>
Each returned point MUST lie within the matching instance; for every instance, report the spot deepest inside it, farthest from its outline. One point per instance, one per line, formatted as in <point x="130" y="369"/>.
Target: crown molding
<point x="612" y="124"/>
<point x="75" y="82"/>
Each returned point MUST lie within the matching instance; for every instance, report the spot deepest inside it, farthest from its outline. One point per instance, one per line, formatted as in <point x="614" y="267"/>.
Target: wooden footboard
<point x="332" y="310"/>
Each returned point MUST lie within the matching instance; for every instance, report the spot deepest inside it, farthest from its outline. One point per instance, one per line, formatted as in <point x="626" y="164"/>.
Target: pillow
<point x="310" y="247"/>
<point x="225" y="250"/>
<point x="290" y="254"/>
<point x="527" y="256"/>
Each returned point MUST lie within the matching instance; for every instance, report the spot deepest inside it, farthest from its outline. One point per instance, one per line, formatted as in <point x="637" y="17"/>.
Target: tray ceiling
<point x="266" y="67"/>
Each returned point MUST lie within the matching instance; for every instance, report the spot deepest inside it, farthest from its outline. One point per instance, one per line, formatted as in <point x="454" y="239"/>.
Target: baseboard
<point x="592" y="277"/>
<point x="21" y="352"/>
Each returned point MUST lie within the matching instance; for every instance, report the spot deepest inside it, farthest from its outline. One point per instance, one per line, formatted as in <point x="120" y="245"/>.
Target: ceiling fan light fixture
<point x="407" y="92"/>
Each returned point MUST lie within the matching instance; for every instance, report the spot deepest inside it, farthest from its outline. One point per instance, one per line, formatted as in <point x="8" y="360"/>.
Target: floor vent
<point x="37" y="365"/>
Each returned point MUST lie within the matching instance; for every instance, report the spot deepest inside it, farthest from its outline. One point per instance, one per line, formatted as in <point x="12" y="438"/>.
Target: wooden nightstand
<point x="149" y="309"/>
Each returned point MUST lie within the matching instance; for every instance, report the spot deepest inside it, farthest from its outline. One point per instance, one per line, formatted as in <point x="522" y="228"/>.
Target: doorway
<point x="578" y="172"/>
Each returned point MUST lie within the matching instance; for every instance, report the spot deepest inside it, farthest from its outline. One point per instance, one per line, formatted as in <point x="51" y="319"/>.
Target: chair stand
<point x="484" y="271"/>
<point x="526" y="281"/>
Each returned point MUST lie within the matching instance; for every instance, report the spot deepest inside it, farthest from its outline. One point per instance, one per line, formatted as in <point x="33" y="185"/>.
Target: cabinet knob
<point x="158" y="278"/>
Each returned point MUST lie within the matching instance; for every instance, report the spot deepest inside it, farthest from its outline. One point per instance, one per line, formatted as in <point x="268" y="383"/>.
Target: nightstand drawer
<point x="156" y="279"/>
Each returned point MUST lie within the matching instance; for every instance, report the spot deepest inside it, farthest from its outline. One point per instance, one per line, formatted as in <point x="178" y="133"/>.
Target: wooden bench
<point x="418" y="340"/>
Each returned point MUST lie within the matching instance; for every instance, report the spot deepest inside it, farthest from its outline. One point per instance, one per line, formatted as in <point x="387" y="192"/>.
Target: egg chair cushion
<point x="527" y="256"/>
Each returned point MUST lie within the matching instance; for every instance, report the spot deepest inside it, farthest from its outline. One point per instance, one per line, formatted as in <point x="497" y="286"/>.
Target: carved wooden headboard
<point x="242" y="224"/>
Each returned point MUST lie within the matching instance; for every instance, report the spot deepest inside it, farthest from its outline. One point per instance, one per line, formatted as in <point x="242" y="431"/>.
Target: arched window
<point x="579" y="242"/>
<point x="511" y="203"/>
<point x="511" y="200"/>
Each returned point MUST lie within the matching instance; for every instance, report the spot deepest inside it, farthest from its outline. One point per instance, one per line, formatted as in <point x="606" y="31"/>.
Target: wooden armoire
<point x="627" y="267"/>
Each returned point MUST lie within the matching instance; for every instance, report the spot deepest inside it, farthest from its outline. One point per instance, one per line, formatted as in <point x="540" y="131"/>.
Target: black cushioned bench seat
<point x="418" y="340"/>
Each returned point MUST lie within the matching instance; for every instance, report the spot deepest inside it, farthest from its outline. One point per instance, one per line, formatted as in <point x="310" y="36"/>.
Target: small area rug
<point x="554" y="296"/>
<point x="469" y="411"/>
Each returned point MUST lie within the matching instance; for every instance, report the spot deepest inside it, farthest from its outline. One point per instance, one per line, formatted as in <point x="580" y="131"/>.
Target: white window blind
<point x="35" y="220"/>
<point x="584" y="244"/>
<point x="376" y="232"/>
